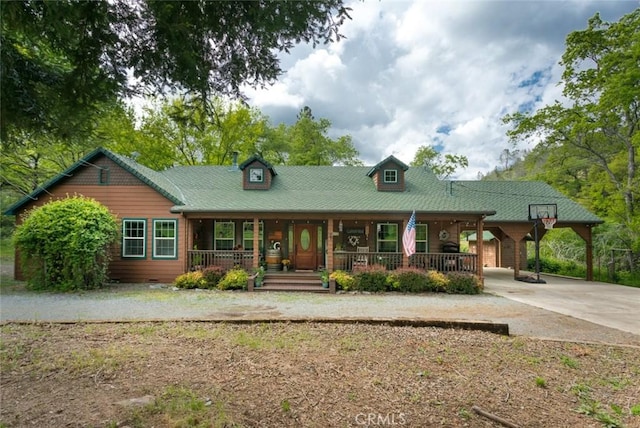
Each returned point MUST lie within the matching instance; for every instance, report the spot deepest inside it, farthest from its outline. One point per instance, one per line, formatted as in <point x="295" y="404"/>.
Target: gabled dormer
<point x="388" y="175"/>
<point x="257" y="173"/>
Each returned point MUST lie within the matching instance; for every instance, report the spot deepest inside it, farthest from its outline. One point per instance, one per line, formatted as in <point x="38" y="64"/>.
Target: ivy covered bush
<point x="66" y="244"/>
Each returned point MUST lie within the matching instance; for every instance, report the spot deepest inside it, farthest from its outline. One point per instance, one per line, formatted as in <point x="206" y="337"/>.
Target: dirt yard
<point x="188" y="374"/>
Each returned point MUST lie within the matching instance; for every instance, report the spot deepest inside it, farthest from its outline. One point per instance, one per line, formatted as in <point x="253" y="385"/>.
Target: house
<point x="333" y="217"/>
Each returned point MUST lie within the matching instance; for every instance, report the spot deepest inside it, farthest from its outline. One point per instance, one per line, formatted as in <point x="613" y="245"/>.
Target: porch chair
<point x="362" y="258"/>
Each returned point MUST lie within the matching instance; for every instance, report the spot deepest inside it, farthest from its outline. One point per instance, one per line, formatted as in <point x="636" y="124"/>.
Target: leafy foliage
<point x="190" y="280"/>
<point x="60" y="59"/>
<point x="588" y="146"/>
<point x="442" y="165"/>
<point x="235" y="279"/>
<point x="344" y="280"/>
<point x="65" y="244"/>
<point x="462" y="283"/>
<point x="371" y="278"/>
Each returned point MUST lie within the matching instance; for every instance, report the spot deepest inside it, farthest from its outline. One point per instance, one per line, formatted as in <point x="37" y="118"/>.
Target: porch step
<point x="292" y="281"/>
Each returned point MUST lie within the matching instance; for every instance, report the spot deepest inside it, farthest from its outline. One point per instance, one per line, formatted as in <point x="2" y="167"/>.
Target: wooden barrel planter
<point x="274" y="260"/>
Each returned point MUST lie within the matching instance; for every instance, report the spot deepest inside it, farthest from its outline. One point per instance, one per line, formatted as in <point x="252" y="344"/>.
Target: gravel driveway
<point x="126" y="302"/>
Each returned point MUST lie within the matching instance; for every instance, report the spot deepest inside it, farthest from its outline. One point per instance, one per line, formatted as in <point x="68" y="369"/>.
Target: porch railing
<point x="200" y="259"/>
<point x="343" y="260"/>
<point x="444" y="262"/>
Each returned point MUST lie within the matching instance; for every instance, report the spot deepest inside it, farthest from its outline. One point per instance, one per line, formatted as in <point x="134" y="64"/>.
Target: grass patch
<point x="181" y="406"/>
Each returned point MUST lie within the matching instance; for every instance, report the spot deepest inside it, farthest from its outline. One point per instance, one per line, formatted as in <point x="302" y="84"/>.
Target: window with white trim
<point x="422" y="243"/>
<point x="387" y="238"/>
<point x="247" y="235"/>
<point x="134" y="238"/>
<point x="224" y="235"/>
<point x="390" y="176"/>
<point x="165" y="238"/>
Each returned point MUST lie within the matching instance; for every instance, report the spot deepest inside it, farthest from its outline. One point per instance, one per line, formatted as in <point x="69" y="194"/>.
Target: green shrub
<point x="65" y="244"/>
<point x="213" y="275"/>
<point x="463" y="283"/>
<point x="409" y="280"/>
<point x="371" y="278"/>
<point x="190" y="280"/>
<point x="344" y="280"/>
<point x="436" y="281"/>
<point x="235" y="279"/>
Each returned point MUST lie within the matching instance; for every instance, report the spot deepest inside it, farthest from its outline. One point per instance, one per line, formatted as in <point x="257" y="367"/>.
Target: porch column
<point x="330" y="245"/>
<point x="256" y="243"/>
<point x="188" y="242"/>
<point x="517" y="232"/>
<point x="480" y="249"/>
<point x="585" y="233"/>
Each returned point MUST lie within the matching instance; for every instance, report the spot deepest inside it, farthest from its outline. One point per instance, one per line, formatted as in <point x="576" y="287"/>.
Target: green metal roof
<point x="339" y="189"/>
<point x="511" y="200"/>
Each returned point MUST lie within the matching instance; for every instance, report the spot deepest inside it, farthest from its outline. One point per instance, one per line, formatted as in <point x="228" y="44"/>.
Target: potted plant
<point x="259" y="277"/>
<point x="285" y="264"/>
<point x="324" y="277"/>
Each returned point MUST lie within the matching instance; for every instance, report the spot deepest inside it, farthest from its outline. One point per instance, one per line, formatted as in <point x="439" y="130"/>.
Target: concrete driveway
<point x="605" y="304"/>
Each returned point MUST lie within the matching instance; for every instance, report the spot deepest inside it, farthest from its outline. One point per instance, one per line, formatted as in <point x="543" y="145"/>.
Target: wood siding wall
<point x="127" y="197"/>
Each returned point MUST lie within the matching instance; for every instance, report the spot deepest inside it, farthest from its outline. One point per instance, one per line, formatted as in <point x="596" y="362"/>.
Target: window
<point x="422" y="244"/>
<point x="134" y="238"/>
<point x="390" y="176"/>
<point x="247" y="235"/>
<point x="256" y="175"/>
<point x="387" y="238"/>
<point x="103" y="175"/>
<point x="165" y="239"/>
<point x="224" y="235"/>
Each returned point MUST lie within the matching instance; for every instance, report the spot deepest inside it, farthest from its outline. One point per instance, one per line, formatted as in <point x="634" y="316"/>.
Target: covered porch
<point x="312" y="242"/>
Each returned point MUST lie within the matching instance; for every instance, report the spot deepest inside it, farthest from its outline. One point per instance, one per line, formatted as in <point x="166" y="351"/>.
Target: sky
<point x="440" y="73"/>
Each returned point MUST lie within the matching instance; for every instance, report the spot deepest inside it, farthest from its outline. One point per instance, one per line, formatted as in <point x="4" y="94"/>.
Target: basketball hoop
<point x="548" y="222"/>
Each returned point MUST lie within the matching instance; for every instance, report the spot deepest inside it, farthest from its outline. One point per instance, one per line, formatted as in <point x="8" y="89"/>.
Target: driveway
<point x="561" y="309"/>
<point x="609" y="305"/>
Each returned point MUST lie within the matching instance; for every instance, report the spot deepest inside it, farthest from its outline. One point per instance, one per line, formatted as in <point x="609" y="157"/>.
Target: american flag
<point x="409" y="236"/>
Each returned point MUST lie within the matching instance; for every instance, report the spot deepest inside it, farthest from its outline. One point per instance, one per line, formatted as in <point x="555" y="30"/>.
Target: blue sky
<point x="441" y="73"/>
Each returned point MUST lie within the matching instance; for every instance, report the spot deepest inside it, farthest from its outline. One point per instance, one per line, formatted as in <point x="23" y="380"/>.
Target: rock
<point x="137" y="402"/>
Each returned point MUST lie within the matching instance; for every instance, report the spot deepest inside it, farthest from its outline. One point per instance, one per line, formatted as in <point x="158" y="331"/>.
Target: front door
<point x="305" y="246"/>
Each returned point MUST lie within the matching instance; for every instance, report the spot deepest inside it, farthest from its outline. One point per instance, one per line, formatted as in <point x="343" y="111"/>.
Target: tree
<point x="310" y="145"/>
<point x="592" y="139"/>
<point x="60" y="58"/>
<point x="442" y="166"/>
<point x="65" y="244"/>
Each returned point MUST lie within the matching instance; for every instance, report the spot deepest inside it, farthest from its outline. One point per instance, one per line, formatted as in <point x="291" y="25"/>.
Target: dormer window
<point x="390" y="176"/>
<point x="256" y="175"/>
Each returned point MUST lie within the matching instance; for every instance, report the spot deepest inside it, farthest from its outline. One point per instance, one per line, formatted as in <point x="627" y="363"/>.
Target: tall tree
<point x="593" y="137"/>
<point x="309" y="143"/>
<point x="61" y="57"/>
<point x="442" y="165"/>
<point x="184" y="132"/>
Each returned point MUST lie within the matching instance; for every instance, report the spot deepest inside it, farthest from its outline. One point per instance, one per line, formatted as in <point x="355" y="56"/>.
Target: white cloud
<point x="412" y="73"/>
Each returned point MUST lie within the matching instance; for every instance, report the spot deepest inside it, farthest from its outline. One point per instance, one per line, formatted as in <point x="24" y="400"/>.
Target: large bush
<point x="65" y="244"/>
<point x="235" y="279"/>
<point x="372" y="278"/>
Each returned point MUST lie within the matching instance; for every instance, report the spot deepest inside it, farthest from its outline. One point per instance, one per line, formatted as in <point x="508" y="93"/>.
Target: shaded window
<point x="224" y="235"/>
<point x="387" y="238"/>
